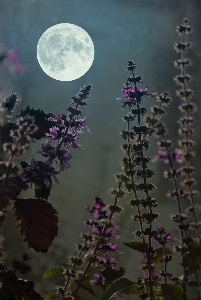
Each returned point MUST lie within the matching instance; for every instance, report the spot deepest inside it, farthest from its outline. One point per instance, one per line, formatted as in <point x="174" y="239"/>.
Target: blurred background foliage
<point x="121" y="30"/>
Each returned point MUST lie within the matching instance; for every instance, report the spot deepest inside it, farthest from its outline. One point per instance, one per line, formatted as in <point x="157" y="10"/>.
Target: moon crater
<point x="65" y="52"/>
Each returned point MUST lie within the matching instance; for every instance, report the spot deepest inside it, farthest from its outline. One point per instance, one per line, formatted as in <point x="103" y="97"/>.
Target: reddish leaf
<point x="38" y="221"/>
<point x="14" y="287"/>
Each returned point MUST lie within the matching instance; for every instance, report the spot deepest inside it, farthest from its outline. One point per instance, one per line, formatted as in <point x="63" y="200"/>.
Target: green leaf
<point x="86" y="285"/>
<point x="172" y="291"/>
<point x="115" y="289"/>
<point x="139" y="246"/>
<point x="112" y="274"/>
<point x="53" y="272"/>
<point x="50" y="296"/>
<point x="158" y="254"/>
<point x="131" y="289"/>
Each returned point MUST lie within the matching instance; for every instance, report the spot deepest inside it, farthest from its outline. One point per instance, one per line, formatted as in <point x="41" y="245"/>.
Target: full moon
<point x="65" y="52"/>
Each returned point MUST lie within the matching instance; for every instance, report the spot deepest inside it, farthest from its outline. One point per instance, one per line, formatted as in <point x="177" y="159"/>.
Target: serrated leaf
<point x="14" y="287"/>
<point x="115" y="289"/>
<point x="50" y="296"/>
<point x="40" y="120"/>
<point x="111" y="274"/>
<point x="160" y="250"/>
<point x="172" y="291"/>
<point x="38" y="222"/>
<point x="53" y="272"/>
<point x="139" y="246"/>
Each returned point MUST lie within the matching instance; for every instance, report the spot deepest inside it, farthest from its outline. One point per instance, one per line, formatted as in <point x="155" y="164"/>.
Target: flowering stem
<point x="97" y="246"/>
<point x="132" y="177"/>
<point x="148" y="254"/>
<point x="182" y="231"/>
<point x="79" y="254"/>
<point x="187" y="140"/>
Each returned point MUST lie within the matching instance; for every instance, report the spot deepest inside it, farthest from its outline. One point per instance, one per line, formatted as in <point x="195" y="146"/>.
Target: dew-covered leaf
<point x="139" y="246"/>
<point x="54" y="272"/>
<point x="115" y="289"/>
<point x="38" y="222"/>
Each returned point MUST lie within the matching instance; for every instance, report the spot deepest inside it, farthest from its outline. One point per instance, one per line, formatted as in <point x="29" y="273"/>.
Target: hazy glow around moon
<point x="65" y="52"/>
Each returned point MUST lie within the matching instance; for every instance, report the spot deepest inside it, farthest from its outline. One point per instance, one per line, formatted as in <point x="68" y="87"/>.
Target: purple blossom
<point x="47" y="150"/>
<point x="162" y="237"/>
<point x="111" y="233"/>
<point x="98" y="213"/>
<point x="54" y="132"/>
<point x="69" y="139"/>
<point x="168" y="238"/>
<point x="161" y="155"/>
<point x="15" y="65"/>
<point x="33" y="164"/>
<point x="133" y="95"/>
<point x="127" y="91"/>
<point x="97" y="279"/>
<point x="58" y="117"/>
<point x="164" y="155"/>
<point x="177" y="155"/>
<point x="109" y="247"/>
<point x="107" y="262"/>
<point x="79" y="124"/>
<point x="50" y="174"/>
<point x="64" y="156"/>
<point x="38" y="170"/>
